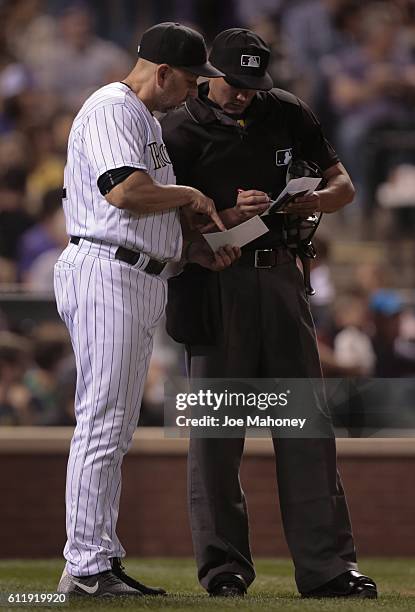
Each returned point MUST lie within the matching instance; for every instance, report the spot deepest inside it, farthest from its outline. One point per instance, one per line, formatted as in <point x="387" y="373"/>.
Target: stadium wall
<point x="378" y="476"/>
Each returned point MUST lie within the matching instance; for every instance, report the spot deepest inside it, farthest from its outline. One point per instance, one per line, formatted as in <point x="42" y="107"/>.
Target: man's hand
<point x="250" y="203"/>
<point x="338" y="192"/>
<point x="202" y="254"/>
<point x="306" y="205"/>
<point x="203" y="205"/>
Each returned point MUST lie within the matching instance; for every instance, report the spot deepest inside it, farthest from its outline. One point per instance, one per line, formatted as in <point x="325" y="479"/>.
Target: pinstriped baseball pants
<point x="111" y="310"/>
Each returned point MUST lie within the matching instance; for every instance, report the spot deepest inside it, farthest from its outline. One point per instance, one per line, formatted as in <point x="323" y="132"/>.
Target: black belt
<point x="153" y="266"/>
<point x="265" y="258"/>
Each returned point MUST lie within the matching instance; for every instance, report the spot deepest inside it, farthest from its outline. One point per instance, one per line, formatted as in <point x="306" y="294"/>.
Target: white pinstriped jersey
<point x="114" y="129"/>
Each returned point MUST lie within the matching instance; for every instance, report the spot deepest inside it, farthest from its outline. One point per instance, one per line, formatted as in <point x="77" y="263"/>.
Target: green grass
<point x="274" y="588"/>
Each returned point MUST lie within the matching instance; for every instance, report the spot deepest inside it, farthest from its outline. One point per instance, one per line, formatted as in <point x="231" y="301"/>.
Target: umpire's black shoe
<point x="349" y="584"/>
<point x="104" y="584"/>
<point x="227" y="585"/>
<point x="118" y="570"/>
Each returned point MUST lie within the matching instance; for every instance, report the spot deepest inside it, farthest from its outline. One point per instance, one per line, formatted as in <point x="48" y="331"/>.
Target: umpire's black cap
<point x="177" y="45"/>
<point x="243" y="56"/>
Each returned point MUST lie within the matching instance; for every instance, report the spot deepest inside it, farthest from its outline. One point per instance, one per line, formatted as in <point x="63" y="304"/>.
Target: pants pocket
<point x="65" y="291"/>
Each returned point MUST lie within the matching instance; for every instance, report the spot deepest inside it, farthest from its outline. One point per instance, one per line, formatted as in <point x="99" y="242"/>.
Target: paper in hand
<point x="295" y="188"/>
<point x="239" y="235"/>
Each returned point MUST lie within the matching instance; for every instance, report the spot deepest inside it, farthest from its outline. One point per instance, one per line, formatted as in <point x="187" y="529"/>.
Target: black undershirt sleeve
<point x="114" y="177"/>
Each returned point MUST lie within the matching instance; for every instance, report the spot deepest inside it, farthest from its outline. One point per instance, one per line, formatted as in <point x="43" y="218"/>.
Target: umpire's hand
<point x="306" y="205"/>
<point x="250" y="203"/>
<point x="203" y="255"/>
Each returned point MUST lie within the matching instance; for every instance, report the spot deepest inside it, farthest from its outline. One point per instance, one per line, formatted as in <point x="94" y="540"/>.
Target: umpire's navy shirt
<point x="213" y="152"/>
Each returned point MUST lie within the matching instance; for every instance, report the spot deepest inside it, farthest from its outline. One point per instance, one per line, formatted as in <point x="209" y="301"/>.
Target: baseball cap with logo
<point x="243" y="56"/>
<point x="177" y="45"/>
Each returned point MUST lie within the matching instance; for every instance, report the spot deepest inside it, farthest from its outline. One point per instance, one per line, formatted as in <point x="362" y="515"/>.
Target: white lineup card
<point x="239" y="235"/>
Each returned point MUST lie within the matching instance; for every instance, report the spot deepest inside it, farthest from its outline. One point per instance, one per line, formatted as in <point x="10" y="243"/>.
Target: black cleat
<point x="349" y="584"/>
<point x="118" y="571"/>
<point x="104" y="584"/>
<point x="227" y="585"/>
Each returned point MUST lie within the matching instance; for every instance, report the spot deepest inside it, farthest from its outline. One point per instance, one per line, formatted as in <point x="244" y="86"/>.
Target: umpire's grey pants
<point x="267" y="332"/>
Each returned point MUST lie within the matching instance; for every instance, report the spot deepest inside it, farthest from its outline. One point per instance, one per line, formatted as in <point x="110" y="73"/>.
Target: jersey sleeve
<point x="114" y="137"/>
<point x="315" y="147"/>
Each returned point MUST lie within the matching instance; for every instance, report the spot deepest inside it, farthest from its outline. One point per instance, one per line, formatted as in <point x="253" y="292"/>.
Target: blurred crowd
<point x="352" y="61"/>
<point x="38" y="377"/>
<point x="366" y="329"/>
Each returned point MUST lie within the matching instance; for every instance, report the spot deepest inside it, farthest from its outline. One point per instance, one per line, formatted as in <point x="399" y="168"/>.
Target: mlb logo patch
<point x="250" y="61"/>
<point x="283" y="157"/>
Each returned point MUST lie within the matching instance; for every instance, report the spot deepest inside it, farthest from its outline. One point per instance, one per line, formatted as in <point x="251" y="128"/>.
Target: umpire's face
<point x="174" y="86"/>
<point x="233" y="100"/>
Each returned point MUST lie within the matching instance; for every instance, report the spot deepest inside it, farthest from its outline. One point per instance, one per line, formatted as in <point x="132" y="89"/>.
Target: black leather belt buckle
<point x="265" y="258"/>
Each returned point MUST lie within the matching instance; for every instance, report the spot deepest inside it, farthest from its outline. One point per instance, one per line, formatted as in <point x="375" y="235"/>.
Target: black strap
<point x="111" y="178"/>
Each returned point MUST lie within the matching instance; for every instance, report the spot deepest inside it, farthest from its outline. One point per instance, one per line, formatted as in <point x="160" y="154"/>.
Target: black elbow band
<point x="111" y="178"/>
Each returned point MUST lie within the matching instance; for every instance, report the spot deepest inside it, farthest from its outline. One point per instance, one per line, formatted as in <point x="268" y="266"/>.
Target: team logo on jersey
<point x="283" y="157"/>
<point x="159" y="154"/>
<point x="250" y="61"/>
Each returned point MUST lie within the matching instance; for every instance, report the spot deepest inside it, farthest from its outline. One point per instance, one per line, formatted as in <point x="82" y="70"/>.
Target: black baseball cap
<point x="179" y="46"/>
<point x="243" y="56"/>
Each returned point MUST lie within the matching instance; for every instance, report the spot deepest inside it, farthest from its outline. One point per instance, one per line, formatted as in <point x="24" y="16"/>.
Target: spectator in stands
<point x="322" y="283"/>
<point x="47" y="166"/>
<point x="372" y="86"/>
<point x="335" y="22"/>
<point x="395" y="356"/>
<point x="14" y="79"/>
<point x="14" y="220"/>
<point x="352" y="345"/>
<point x="51" y="345"/>
<point x="40" y="275"/>
<point x="27" y="39"/>
<point x="13" y="151"/>
<point x="370" y="276"/>
<point x="61" y="126"/>
<point x="30" y="32"/>
<point x="209" y="16"/>
<point x="301" y="24"/>
<point x="82" y="62"/>
<point x="17" y="405"/>
<point x="48" y="235"/>
<point x="250" y="13"/>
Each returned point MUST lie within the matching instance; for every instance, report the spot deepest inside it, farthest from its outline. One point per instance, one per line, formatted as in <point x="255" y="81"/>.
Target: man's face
<point x="233" y="100"/>
<point x="177" y="86"/>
